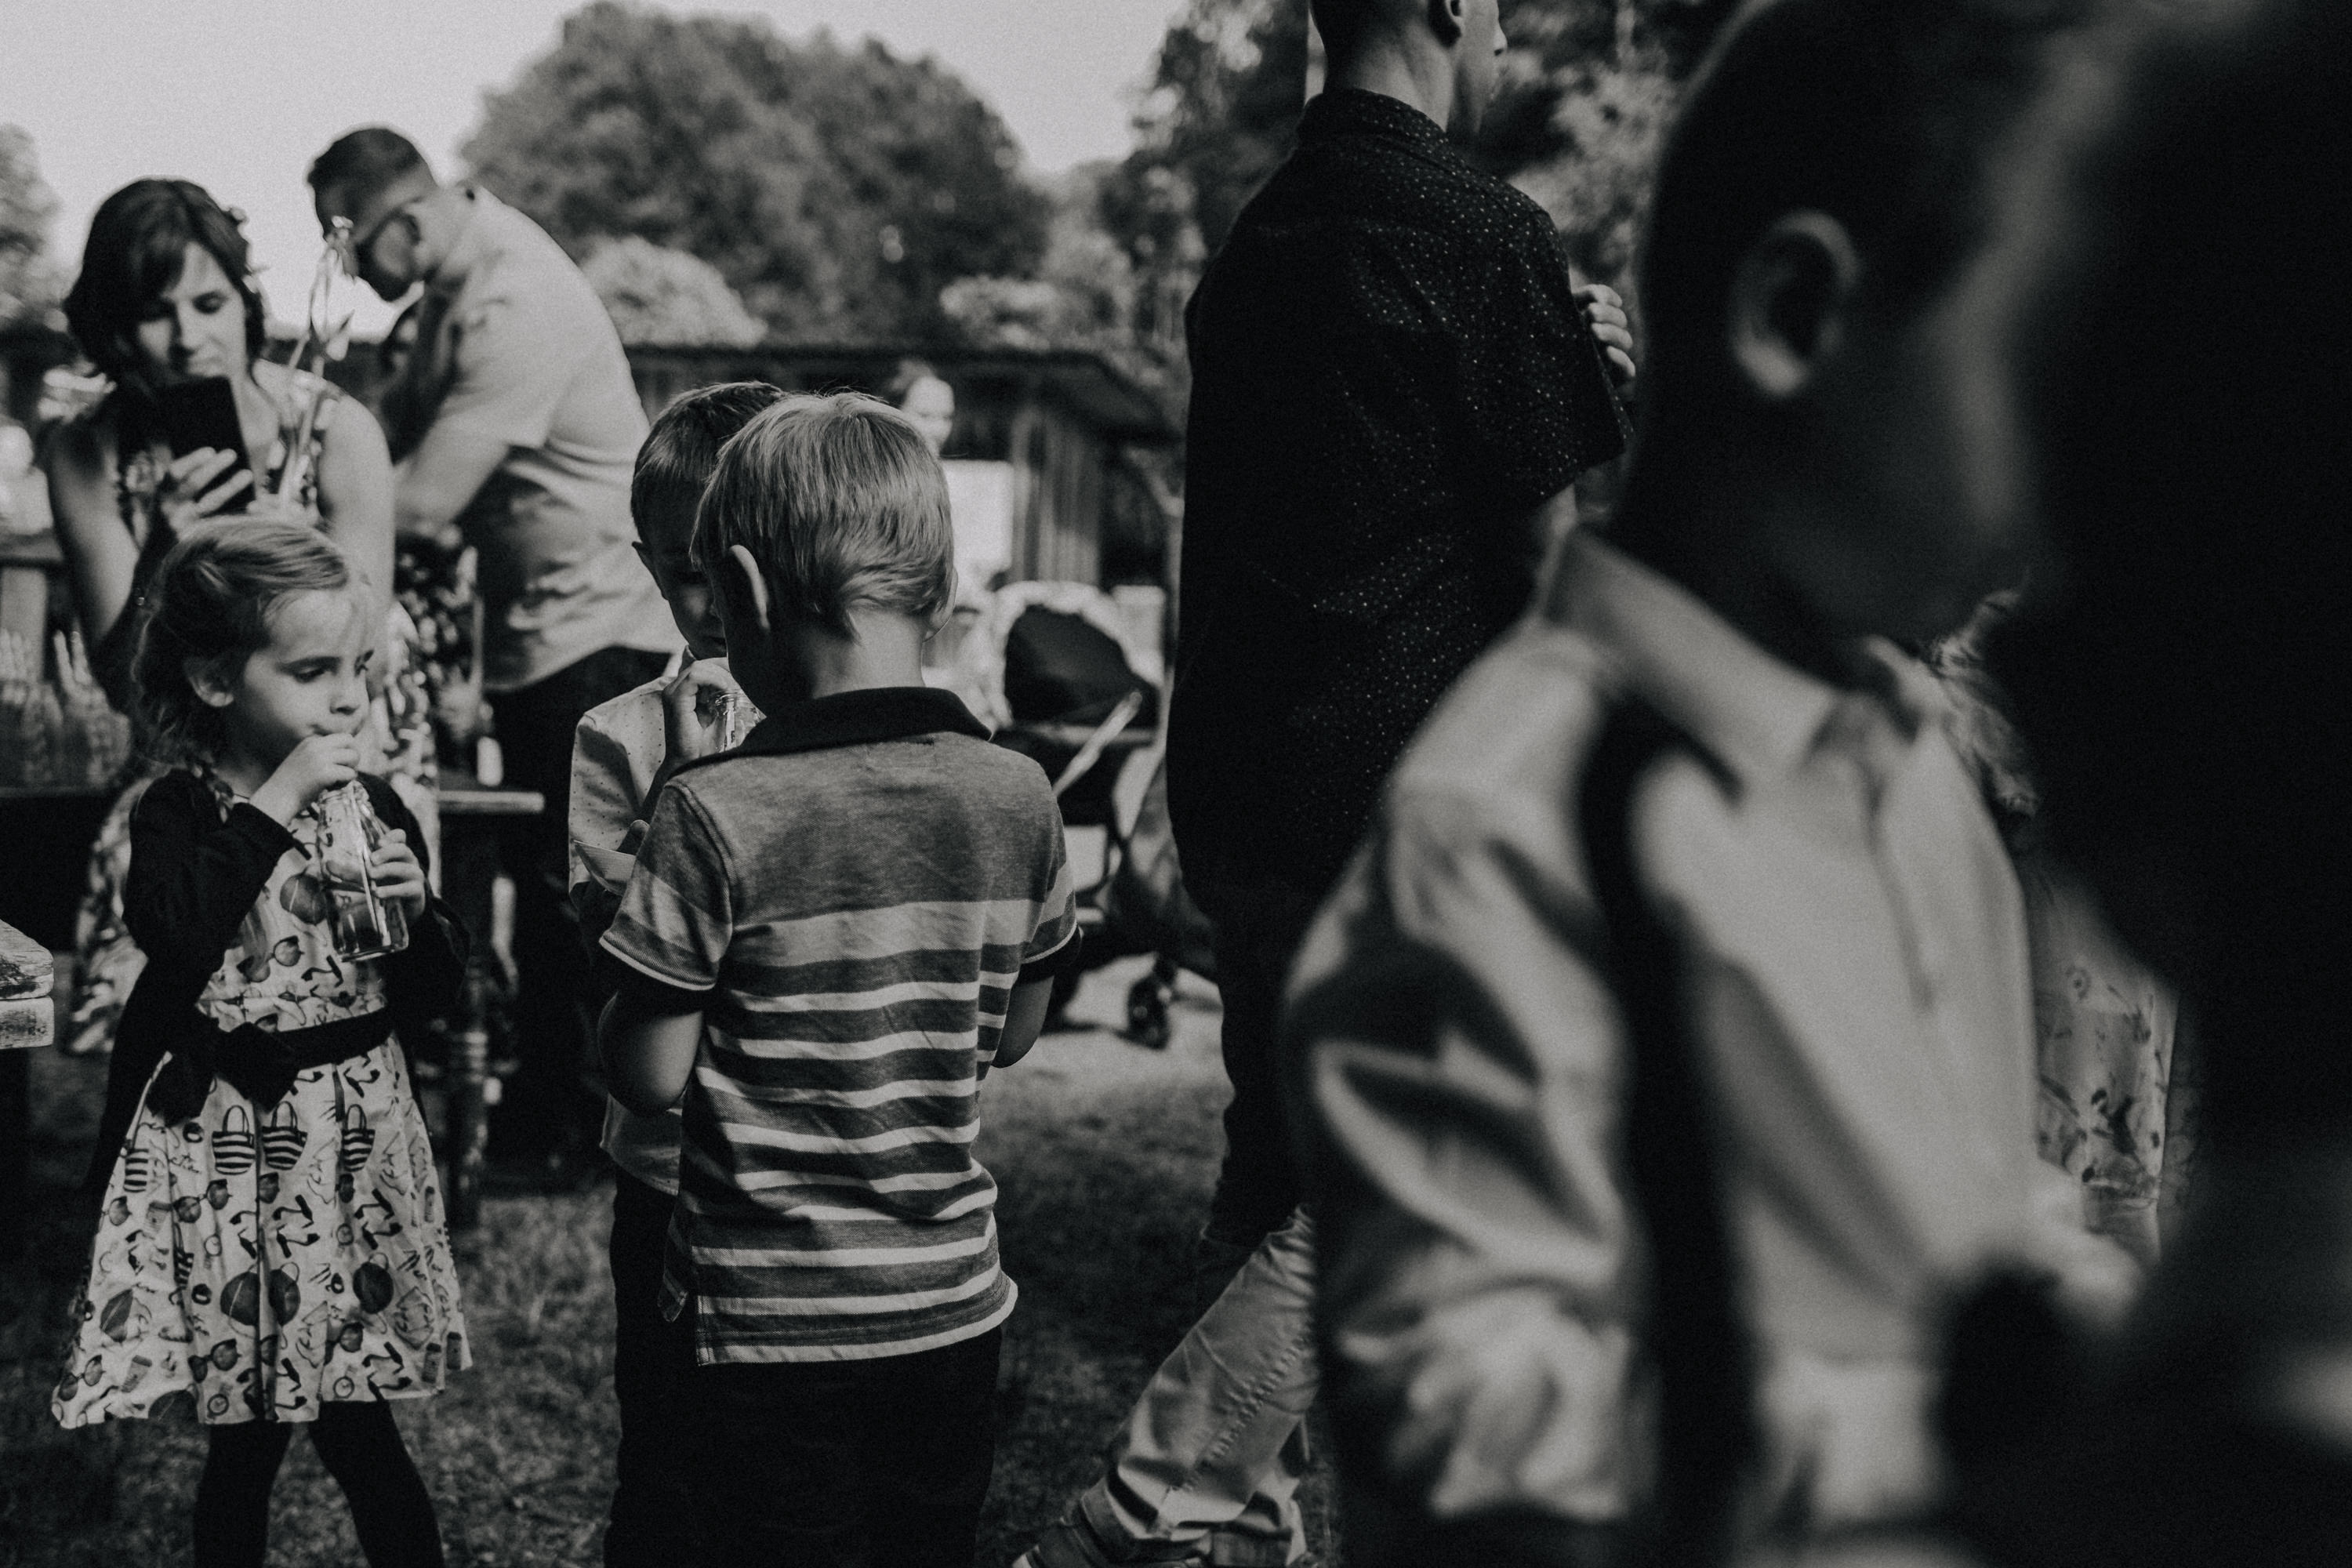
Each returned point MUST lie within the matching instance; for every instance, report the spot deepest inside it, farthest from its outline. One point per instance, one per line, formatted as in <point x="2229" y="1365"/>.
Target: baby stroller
<point x="1054" y="668"/>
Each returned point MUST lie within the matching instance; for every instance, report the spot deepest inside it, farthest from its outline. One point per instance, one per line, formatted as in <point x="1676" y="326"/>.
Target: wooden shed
<point x="1068" y="423"/>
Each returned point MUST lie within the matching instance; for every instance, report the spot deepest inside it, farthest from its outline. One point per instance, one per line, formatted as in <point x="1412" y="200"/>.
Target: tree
<point x="657" y="296"/>
<point x="29" y="286"/>
<point x="1083" y="294"/>
<point x="838" y="190"/>
<point x="1587" y="89"/>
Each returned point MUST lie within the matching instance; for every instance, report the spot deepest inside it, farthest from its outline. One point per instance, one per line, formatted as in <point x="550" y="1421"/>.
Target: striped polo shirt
<point x="849" y="898"/>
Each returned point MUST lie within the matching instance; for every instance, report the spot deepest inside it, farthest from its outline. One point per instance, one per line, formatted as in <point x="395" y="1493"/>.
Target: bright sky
<point x="239" y="95"/>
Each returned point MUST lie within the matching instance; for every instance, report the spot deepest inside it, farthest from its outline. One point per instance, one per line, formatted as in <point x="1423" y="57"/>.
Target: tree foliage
<point x="29" y="284"/>
<point x="1587" y="89"/>
<point x="837" y="189"/>
<point x="657" y="296"/>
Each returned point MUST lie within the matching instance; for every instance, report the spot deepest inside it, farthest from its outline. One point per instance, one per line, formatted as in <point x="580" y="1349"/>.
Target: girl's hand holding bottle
<point x="313" y="767"/>
<point x="399" y="879"/>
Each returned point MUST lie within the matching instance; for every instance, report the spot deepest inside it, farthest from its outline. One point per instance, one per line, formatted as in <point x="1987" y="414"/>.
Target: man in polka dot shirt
<point x="1396" y="382"/>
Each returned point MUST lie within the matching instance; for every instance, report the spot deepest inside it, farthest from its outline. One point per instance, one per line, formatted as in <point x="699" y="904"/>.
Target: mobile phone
<point x="200" y="413"/>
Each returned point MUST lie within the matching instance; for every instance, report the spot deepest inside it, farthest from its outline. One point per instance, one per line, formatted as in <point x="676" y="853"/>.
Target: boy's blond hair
<point x="838" y="499"/>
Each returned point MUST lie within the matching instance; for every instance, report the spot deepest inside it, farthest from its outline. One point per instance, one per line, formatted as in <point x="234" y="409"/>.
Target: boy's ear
<point x="209" y="681"/>
<point x="744" y="587"/>
<point x="1789" y="302"/>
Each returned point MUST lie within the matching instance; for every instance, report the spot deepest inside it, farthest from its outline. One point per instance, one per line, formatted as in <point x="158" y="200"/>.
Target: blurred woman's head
<point x="166" y="291"/>
<point x="923" y="396"/>
<point x="2183" y="676"/>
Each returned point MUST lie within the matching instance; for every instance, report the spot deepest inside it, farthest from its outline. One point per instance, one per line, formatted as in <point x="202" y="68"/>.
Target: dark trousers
<point x="846" y="1464"/>
<point x="652" y="1522"/>
<point x="362" y="1448"/>
<point x="549" y="1106"/>
<point x="1259" y="926"/>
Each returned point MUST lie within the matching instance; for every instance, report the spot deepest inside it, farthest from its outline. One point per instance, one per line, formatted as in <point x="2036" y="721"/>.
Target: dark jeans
<point x="549" y="1106"/>
<point x="652" y="1514"/>
<point x="1259" y="926"/>
<point x="846" y="1464"/>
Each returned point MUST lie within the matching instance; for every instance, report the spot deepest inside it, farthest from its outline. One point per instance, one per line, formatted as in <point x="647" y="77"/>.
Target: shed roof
<point x="1088" y="385"/>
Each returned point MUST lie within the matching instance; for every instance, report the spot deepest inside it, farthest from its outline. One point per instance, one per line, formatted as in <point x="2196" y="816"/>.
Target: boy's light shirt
<point x="615" y="753"/>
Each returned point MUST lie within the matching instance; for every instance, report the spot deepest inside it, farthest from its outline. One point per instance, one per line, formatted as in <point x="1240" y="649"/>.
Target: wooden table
<point x="28" y="1020"/>
<point x="471" y="815"/>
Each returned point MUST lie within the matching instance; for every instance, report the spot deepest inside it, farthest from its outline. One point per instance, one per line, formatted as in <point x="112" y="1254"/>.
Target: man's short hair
<point x="1882" y="114"/>
<point x="361" y="163"/>
<point x="675" y="464"/>
<point x="840" y="503"/>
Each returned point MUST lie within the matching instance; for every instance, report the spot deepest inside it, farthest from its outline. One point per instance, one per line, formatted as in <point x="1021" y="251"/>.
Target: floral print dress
<point x="250" y="1266"/>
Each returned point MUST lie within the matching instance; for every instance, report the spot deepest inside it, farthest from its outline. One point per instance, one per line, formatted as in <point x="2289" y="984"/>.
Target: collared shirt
<point x="616" y="752"/>
<point x="1855" y="968"/>
<point x="1389" y="373"/>
<point x="849" y="898"/>
<point x="513" y="343"/>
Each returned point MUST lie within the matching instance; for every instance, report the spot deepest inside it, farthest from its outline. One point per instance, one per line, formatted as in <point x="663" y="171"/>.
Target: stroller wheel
<point x="1146" y="1012"/>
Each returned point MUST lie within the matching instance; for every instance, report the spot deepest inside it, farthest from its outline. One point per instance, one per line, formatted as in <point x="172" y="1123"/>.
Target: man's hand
<point x="399" y="878"/>
<point x="1604" y="312"/>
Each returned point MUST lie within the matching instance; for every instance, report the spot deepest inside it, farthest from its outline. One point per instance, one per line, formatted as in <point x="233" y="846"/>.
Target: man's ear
<point x="1789" y="302"/>
<point x="745" y="589"/>
<point x="1445" y="21"/>
<point x="208" y="677"/>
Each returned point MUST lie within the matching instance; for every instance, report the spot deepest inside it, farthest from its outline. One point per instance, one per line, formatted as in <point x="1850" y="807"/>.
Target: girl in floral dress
<point x="270" y="1247"/>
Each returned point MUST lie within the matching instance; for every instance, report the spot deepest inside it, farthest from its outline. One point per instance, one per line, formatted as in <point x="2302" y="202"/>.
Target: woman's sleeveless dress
<point x="396" y="743"/>
<point x="249" y="1266"/>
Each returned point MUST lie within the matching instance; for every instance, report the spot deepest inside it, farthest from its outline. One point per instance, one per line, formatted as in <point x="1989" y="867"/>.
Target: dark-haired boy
<point x="1679" y="999"/>
<point x="621" y="752"/>
<point x="831" y="934"/>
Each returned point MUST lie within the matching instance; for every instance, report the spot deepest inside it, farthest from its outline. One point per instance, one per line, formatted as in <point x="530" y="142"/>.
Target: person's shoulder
<point x="983" y="766"/>
<point x="85" y="442"/>
<point x="1516" y="732"/>
<point x="175" y="794"/>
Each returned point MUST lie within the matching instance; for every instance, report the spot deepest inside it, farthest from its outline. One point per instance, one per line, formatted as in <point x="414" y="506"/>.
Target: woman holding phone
<point x="197" y="426"/>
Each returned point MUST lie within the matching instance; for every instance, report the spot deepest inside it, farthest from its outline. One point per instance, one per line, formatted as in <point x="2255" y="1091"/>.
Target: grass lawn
<point x="1105" y="1154"/>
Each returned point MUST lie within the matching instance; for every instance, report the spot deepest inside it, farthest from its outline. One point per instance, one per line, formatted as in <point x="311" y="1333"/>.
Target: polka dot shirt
<point x="1390" y="372"/>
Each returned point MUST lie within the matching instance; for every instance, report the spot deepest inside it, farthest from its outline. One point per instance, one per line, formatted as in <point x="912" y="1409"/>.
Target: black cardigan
<point x="194" y="875"/>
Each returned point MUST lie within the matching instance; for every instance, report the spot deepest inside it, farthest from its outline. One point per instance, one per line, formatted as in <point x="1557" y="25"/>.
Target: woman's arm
<point x="102" y="558"/>
<point x="355" y="493"/>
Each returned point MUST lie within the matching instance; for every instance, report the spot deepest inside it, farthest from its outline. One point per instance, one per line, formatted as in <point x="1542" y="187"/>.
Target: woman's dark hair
<point x="139" y="241"/>
<point x="2181" y="675"/>
<point x="210" y="602"/>
<point x="680" y="451"/>
<point x="1882" y="114"/>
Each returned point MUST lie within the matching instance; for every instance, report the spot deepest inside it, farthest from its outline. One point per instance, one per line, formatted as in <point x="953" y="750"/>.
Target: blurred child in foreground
<point x="1669" y="1043"/>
